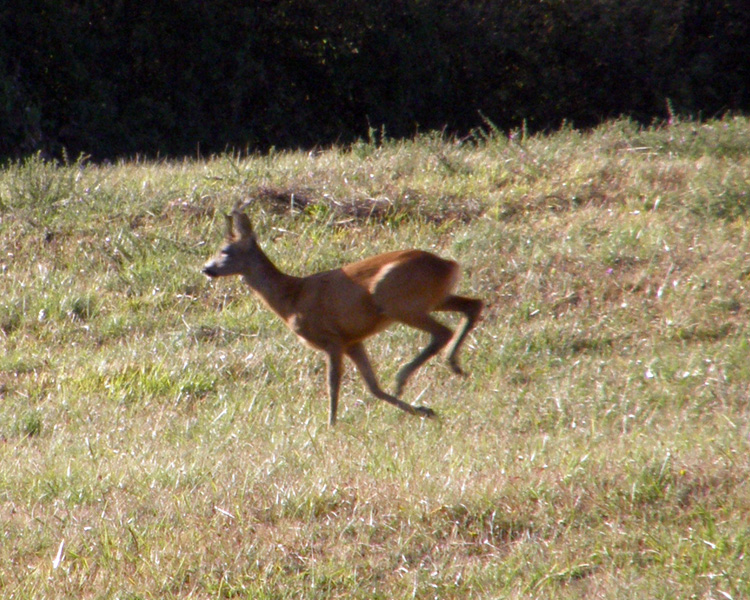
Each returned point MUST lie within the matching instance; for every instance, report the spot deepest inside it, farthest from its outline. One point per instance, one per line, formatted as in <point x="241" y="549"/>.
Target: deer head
<point x="235" y="256"/>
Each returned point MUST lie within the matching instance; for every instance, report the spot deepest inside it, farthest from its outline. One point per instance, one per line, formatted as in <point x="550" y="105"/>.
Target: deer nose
<point x="208" y="270"/>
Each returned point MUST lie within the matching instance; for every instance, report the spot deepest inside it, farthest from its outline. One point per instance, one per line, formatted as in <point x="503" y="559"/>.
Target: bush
<point x="180" y="77"/>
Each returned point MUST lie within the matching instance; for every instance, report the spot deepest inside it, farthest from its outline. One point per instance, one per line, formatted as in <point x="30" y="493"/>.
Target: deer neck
<point x="277" y="290"/>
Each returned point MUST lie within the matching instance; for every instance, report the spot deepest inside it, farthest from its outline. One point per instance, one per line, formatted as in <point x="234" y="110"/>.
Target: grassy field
<point x="164" y="436"/>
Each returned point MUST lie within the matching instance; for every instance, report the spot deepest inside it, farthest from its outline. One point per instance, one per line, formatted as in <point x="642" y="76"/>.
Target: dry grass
<point x="165" y="437"/>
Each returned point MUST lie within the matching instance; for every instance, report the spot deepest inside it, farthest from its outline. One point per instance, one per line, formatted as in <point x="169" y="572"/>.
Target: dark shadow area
<point x="190" y="77"/>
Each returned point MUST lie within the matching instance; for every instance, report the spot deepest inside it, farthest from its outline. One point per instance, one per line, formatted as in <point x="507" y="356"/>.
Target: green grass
<point x="163" y="436"/>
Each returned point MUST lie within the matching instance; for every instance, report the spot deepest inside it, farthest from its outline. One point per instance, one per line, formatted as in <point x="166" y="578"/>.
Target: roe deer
<point x="335" y="311"/>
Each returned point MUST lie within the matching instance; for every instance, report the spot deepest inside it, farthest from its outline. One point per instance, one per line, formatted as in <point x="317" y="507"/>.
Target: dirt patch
<point x="410" y="206"/>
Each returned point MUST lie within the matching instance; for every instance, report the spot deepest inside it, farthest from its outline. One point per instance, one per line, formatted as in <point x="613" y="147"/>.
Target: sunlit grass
<point x="162" y="436"/>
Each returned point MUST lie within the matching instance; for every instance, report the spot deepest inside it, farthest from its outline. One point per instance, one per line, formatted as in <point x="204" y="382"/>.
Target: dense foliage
<point x="187" y="76"/>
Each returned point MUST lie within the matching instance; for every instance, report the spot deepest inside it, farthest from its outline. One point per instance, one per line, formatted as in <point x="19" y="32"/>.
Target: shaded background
<point x="177" y="78"/>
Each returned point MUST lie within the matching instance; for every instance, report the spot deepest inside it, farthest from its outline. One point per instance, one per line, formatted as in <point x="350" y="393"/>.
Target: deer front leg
<point x="334" y="381"/>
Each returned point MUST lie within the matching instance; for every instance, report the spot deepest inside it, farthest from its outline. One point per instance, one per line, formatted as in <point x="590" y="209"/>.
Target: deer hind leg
<point x="441" y="335"/>
<point x="471" y="308"/>
<point x="359" y="357"/>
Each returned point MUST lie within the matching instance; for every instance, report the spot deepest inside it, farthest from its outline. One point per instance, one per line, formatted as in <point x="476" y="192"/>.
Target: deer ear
<point x="242" y="225"/>
<point x="229" y="231"/>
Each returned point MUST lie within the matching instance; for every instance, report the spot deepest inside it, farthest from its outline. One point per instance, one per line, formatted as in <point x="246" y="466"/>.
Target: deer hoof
<point x="456" y="369"/>
<point x="423" y="411"/>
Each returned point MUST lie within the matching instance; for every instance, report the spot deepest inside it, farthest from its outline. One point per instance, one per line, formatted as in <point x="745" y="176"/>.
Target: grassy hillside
<point x="163" y="436"/>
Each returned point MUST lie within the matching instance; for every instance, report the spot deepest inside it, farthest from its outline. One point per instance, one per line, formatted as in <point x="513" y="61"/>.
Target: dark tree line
<point x="177" y="77"/>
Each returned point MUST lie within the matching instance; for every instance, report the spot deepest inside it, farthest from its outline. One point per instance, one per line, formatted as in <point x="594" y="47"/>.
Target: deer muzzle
<point x="210" y="270"/>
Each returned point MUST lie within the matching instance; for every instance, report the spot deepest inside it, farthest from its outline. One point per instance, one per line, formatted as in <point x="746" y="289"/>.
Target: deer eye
<point x="227" y="251"/>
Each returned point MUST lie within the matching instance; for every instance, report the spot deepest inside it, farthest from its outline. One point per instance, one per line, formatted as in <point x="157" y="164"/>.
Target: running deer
<point x="335" y="311"/>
